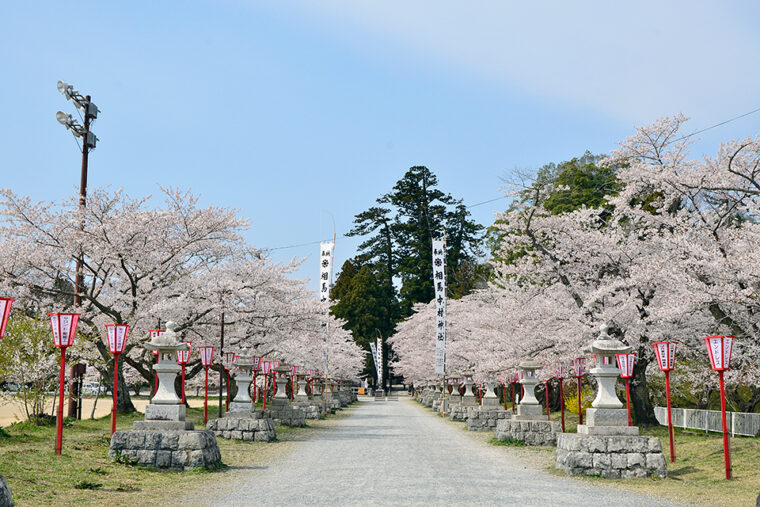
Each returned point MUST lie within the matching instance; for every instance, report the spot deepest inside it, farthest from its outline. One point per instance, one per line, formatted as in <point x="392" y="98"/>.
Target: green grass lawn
<point x="697" y="476"/>
<point x="83" y="473"/>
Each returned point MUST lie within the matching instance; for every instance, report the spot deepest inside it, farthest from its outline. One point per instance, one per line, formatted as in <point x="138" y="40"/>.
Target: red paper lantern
<point x="719" y="350"/>
<point x="256" y="363"/>
<point x="117" y="337"/>
<point x="183" y="356"/>
<point x="228" y="360"/>
<point x="666" y="358"/>
<point x="64" y="327"/>
<point x="579" y="367"/>
<point x="625" y="363"/>
<point x="5" y="311"/>
<point x="207" y="355"/>
<point x="117" y="340"/>
<point x="666" y="354"/>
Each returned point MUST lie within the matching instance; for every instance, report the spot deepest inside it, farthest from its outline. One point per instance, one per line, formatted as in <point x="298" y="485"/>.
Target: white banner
<point x="439" y="283"/>
<point x="379" y="361"/>
<point x="326" y="250"/>
<point x="325" y="269"/>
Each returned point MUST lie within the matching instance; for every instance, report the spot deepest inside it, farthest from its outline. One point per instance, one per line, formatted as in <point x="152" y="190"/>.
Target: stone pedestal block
<point x="459" y="412"/>
<point x="173" y="450"/>
<point x="156" y="412"/>
<point x="250" y="426"/>
<point x="529" y="432"/>
<point x="283" y="414"/>
<point x="529" y="412"/>
<point x="311" y="409"/>
<point x="485" y="419"/>
<point x="613" y="457"/>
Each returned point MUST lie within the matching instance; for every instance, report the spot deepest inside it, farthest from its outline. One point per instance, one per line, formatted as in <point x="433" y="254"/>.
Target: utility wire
<point x="504" y="196"/>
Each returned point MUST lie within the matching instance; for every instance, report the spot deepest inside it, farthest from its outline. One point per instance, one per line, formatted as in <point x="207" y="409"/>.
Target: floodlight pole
<point x="78" y="280"/>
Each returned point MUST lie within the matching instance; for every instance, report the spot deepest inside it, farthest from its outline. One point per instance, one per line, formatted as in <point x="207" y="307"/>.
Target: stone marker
<point x="164" y="439"/>
<point x="528" y="425"/>
<point x="280" y="409"/>
<point x="490" y="412"/>
<point x="606" y="445"/>
<point x="241" y="422"/>
<point x="459" y="413"/>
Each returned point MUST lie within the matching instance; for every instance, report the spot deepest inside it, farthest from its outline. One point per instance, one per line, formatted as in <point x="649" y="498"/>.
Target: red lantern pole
<point x="670" y="422"/>
<point x="579" y="365"/>
<point x="59" y="430"/>
<point x="726" y="449"/>
<point x="115" y="388"/>
<point x="205" y="399"/>
<point x="666" y="357"/>
<point x="548" y="417"/>
<point x="562" y="404"/>
<point x="64" y="328"/>
<point x="719" y="350"/>
<point x="625" y="363"/>
<point x="513" y="394"/>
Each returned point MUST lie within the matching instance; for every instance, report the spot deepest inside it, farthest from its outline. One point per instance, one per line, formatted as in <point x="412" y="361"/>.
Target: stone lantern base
<point x="311" y="408"/>
<point x="174" y="450"/>
<point x="485" y="418"/>
<point x="244" y="425"/>
<point x="612" y="457"/>
<point x="529" y="432"/>
<point x="283" y="414"/>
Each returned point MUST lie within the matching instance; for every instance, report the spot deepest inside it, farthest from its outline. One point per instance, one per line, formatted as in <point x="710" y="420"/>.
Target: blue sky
<point x="290" y="110"/>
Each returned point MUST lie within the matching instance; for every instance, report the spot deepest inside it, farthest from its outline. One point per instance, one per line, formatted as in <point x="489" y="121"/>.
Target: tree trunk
<point x="97" y="395"/>
<point x="123" y="400"/>
<point x="642" y="409"/>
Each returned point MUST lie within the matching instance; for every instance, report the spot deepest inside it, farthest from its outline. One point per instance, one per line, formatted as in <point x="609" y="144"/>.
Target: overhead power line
<point x="504" y="196"/>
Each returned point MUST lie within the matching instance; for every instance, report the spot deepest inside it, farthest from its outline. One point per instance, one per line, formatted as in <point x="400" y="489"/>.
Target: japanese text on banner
<point x="439" y="282"/>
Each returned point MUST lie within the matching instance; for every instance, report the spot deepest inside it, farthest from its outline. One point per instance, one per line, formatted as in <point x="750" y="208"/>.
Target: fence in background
<point x="739" y="423"/>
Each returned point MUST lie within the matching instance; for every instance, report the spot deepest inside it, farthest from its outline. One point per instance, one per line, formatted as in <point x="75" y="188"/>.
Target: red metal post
<point x="265" y="391"/>
<point x="670" y="422"/>
<point x="205" y="400"/>
<point x="227" y="403"/>
<point x="562" y="404"/>
<point x="548" y="416"/>
<point x="155" y="379"/>
<point x="628" y="399"/>
<point x="505" y="395"/>
<point x="580" y="406"/>
<point x="513" y="396"/>
<point x="59" y="433"/>
<point x="115" y="387"/>
<point x="255" y="398"/>
<point x="183" y="383"/>
<point x="726" y="449"/>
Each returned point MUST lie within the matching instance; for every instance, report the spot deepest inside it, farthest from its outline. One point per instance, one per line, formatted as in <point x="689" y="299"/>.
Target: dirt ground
<point x="11" y="412"/>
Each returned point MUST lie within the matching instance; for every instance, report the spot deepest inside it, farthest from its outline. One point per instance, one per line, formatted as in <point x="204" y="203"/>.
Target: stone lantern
<point x="468" y="398"/>
<point x="243" y="365"/>
<point x="301" y="395"/>
<point x="607" y="415"/>
<point x="606" y="445"/>
<point x="490" y="400"/>
<point x="281" y="378"/>
<point x="165" y="410"/>
<point x="529" y="408"/>
<point x="164" y="439"/>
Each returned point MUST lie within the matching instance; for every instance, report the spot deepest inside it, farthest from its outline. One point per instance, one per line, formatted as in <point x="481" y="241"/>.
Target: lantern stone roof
<point x="529" y="364"/>
<point x="607" y="345"/>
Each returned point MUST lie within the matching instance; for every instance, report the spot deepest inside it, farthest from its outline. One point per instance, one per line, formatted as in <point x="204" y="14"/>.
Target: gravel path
<point x="397" y="453"/>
